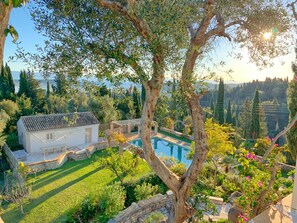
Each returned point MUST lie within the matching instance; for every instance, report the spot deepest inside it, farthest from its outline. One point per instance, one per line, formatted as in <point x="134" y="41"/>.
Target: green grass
<point x="55" y="192"/>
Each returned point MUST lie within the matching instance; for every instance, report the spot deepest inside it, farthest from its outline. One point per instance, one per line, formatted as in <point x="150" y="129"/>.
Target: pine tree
<point x="255" y="122"/>
<point x="292" y="104"/>
<point x="136" y="102"/>
<point x="229" y="113"/>
<point x="10" y="79"/>
<point x="219" y="111"/>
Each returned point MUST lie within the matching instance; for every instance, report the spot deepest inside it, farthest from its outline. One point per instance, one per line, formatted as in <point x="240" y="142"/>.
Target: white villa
<point x="56" y="132"/>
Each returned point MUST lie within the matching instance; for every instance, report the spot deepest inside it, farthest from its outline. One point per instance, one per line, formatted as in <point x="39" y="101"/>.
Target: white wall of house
<point x="37" y="141"/>
<point x="23" y="136"/>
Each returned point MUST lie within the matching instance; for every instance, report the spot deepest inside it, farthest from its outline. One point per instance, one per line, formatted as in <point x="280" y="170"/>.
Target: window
<point x="49" y="136"/>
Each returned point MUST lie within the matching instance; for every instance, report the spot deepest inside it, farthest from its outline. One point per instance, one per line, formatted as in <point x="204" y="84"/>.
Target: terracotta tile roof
<point x="58" y="121"/>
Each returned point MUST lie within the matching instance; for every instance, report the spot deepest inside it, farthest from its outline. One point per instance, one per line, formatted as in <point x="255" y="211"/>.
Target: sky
<point x="243" y="70"/>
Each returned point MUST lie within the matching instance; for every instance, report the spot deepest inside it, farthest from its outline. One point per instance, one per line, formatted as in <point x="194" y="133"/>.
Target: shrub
<point x="111" y="200"/>
<point x="155" y="217"/>
<point x="168" y="123"/>
<point x="262" y="145"/>
<point x="179" y="169"/>
<point x="151" y="178"/>
<point x="101" y="205"/>
<point x="145" y="190"/>
<point x="12" y="141"/>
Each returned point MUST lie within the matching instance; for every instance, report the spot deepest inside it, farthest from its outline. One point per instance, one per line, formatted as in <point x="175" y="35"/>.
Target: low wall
<point x="103" y="127"/>
<point x="58" y="161"/>
<point x="137" y="213"/>
<point x="178" y="134"/>
<point x="13" y="162"/>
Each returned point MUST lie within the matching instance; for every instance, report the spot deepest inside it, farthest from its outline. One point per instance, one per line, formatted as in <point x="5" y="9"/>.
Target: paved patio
<point x="278" y="213"/>
<point x="31" y="158"/>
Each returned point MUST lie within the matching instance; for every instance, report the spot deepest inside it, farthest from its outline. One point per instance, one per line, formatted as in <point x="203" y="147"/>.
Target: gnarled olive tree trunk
<point x="4" y="18"/>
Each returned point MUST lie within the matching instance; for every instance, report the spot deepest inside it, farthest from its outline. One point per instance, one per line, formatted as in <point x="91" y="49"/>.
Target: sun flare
<point x="267" y="35"/>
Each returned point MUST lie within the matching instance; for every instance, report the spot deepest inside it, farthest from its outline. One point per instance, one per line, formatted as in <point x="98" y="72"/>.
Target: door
<point x="88" y="135"/>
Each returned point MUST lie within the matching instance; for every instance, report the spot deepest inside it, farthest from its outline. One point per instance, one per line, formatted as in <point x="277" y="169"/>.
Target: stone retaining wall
<point x="58" y="161"/>
<point x="48" y="164"/>
<point x="137" y="213"/>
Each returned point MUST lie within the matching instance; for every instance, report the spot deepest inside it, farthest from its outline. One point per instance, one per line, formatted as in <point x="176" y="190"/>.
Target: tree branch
<point x="139" y="24"/>
<point x="119" y="56"/>
<point x="292" y="5"/>
<point x="208" y="15"/>
<point x="290" y="125"/>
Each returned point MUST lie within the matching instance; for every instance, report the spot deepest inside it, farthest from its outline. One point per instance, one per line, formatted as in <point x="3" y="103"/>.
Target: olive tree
<point x="5" y="10"/>
<point x="145" y="41"/>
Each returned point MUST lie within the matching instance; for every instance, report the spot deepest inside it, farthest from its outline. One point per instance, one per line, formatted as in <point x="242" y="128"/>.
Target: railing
<point x="13" y="162"/>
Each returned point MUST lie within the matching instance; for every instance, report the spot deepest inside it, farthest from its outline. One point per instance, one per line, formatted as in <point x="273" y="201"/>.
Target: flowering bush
<point x="260" y="181"/>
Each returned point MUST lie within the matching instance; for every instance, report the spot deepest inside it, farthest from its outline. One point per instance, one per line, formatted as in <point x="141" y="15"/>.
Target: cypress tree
<point x="212" y="108"/>
<point x="244" y="118"/>
<point x="219" y="111"/>
<point x="292" y="105"/>
<point x="173" y="112"/>
<point x="61" y="85"/>
<point x="255" y="122"/>
<point x="229" y="114"/>
<point x="5" y="86"/>
<point x="10" y="79"/>
<point x="142" y="95"/>
<point x="1" y="83"/>
<point x="23" y="86"/>
<point x="136" y="102"/>
<point x="48" y="91"/>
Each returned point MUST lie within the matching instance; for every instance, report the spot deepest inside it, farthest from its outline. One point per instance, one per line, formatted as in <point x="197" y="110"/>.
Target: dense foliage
<point x="292" y="104"/>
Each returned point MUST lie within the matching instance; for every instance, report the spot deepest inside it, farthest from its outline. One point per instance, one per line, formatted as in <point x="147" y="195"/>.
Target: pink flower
<point x="260" y="184"/>
<point x="248" y="156"/>
<point x="276" y="145"/>
<point x="245" y="219"/>
<point x="251" y="156"/>
<point x="248" y="177"/>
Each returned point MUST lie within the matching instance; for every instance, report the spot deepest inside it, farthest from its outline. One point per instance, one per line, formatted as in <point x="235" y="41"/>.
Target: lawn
<point x="55" y="192"/>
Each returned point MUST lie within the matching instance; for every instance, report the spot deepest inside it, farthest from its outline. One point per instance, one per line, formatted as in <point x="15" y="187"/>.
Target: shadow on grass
<point x="56" y="176"/>
<point x="66" y="169"/>
<point x="15" y="215"/>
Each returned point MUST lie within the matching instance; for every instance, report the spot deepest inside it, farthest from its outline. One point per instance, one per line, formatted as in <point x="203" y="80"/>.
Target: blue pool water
<point x="165" y="148"/>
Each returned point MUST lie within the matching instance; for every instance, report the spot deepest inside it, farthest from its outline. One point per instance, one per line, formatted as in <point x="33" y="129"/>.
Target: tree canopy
<point x="143" y="41"/>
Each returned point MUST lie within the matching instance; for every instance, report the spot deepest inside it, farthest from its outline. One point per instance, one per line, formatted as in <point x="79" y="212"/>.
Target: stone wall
<point x="48" y="164"/>
<point x="58" y="161"/>
<point x="137" y="213"/>
<point x="13" y="162"/>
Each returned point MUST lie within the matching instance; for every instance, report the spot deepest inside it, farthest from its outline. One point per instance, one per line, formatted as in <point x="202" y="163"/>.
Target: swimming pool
<point x="165" y="148"/>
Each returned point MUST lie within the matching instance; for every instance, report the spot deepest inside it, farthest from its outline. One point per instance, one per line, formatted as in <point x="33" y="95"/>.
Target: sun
<point x="267" y="35"/>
